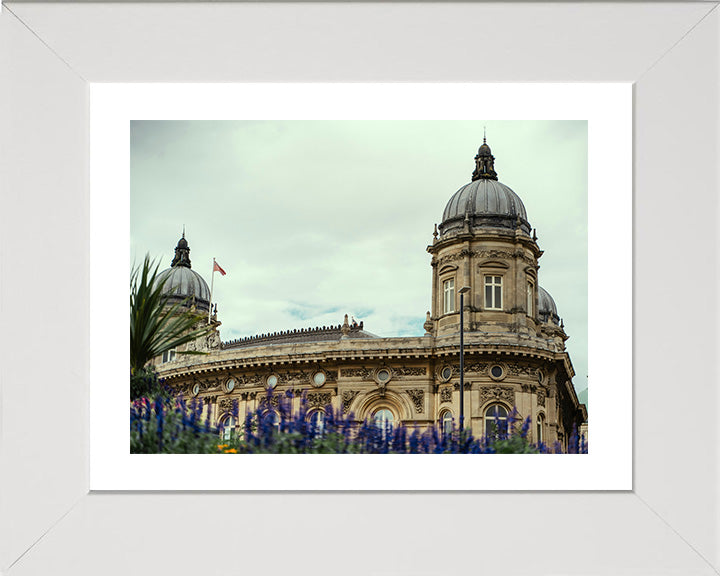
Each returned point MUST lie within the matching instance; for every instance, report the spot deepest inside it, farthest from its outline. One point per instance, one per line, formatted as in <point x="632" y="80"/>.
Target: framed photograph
<point x="278" y="184"/>
<point x="59" y="60"/>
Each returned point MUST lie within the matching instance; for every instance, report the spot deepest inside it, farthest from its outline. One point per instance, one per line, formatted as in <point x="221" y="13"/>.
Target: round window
<point x="230" y="385"/>
<point x="446" y="373"/>
<point x="496" y="371"/>
<point x="272" y="381"/>
<point x="540" y="376"/>
<point x="319" y="379"/>
<point x="383" y="375"/>
<point x="196" y="389"/>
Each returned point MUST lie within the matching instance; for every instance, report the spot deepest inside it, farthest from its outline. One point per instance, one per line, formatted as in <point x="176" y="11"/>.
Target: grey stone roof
<point x="318" y="334"/>
<point x="546" y="307"/>
<point x="488" y="203"/>
<point x="183" y="282"/>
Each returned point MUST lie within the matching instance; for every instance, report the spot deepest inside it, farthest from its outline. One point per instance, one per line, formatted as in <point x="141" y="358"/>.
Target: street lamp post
<point x="463" y="291"/>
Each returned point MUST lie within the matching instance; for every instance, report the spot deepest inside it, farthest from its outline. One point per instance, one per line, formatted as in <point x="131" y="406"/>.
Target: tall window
<point x="496" y="421"/>
<point x="228" y="427"/>
<point x="168" y="355"/>
<point x="493" y="292"/>
<point x="447" y="422"/>
<point x="317" y="420"/>
<point x="384" y="419"/>
<point x="540" y="423"/>
<point x="449" y="296"/>
<point x="530" y="299"/>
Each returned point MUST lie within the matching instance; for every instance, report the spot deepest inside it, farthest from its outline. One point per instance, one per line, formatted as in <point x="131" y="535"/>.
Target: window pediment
<point x="493" y="264"/>
<point x="448" y="268"/>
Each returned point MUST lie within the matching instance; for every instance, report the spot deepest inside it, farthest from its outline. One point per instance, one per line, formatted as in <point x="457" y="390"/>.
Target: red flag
<point x="216" y="268"/>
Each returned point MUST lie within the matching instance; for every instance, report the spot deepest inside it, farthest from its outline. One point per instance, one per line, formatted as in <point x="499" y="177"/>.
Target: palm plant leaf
<point x="156" y="327"/>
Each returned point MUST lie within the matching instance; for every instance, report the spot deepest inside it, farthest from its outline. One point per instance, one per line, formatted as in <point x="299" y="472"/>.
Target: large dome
<point x="182" y="283"/>
<point x="486" y="202"/>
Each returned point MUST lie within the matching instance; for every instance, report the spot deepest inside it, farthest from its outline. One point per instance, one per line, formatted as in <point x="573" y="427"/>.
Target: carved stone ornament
<point x="213" y="340"/>
<point x="446" y="394"/>
<point x="273" y="400"/>
<point x="541" y="397"/>
<point x="362" y="373"/>
<point x="404" y="371"/>
<point x="226" y="405"/>
<point x="318" y="399"/>
<point x="506" y="393"/>
<point x="418" y="397"/>
<point x="248" y="396"/>
<point x="516" y="369"/>
<point x="347" y="399"/>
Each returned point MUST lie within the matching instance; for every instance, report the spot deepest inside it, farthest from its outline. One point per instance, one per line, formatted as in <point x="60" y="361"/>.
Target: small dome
<point x="488" y="203"/>
<point x="546" y="307"/>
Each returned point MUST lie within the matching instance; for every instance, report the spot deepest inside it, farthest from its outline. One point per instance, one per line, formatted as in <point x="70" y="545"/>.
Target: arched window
<point x="446" y="422"/>
<point x="540" y="425"/>
<point x="317" y="421"/>
<point x="384" y="419"/>
<point x="228" y="427"/>
<point x="496" y="420"/>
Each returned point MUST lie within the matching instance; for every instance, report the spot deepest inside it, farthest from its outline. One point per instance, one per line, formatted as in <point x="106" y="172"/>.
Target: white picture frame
<point x="668" y="524"/>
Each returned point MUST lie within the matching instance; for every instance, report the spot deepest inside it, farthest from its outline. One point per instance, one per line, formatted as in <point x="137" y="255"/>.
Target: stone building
<point x="514" y="339"/>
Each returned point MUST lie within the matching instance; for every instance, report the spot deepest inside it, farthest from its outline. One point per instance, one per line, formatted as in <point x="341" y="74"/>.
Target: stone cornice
<point x="381" y="349"/>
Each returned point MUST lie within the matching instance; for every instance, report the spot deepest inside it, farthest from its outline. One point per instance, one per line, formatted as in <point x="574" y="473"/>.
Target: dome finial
<point x="484" y="163"/>
<point x="182" y="253"/>
<point x="484" y="134"/>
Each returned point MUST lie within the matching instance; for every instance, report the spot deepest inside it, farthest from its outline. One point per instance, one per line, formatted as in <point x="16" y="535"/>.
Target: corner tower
<point x="484" y="242"/>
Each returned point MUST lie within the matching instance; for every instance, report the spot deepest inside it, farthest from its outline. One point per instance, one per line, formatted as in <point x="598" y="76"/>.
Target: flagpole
<point x="212" y="284"/>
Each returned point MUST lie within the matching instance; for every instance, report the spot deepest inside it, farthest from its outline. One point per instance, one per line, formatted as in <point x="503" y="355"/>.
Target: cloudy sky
<point x="312" y="220"/>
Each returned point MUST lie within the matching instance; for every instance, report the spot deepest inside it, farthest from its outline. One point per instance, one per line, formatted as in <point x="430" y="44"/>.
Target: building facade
<point x="514" y="339"/>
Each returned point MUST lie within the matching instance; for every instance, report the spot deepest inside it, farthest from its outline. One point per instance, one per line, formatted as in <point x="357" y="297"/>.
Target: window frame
<point x="171" y="355"/>
<point x="491" y="419"/>
<point x="494" y="286"/>
<point x="228" y="430"/>
<point x="530" y="288"/>
<point x="450" y="300"/>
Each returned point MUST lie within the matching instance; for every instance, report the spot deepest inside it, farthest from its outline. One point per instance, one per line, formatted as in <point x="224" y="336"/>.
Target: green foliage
<point x="163" y="425"/>
<point x="515" y="444"/>
<point x="144" y="383"/>
<point x="156" y="327"/>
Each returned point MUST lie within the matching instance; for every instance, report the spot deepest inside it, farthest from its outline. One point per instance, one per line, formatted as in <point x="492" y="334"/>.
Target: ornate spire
<point x="484" y="163"/>
<point x="182" y="253"/>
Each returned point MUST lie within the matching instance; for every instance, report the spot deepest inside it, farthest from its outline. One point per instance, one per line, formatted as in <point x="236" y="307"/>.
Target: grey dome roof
<point x="546" y="307"/>
<point x="488" y="203"/>
<point x="182" y="282"/>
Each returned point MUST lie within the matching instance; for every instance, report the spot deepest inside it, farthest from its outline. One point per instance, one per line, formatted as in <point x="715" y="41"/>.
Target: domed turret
<point x="484" y="202"/>
<point x="546" y="307"/>
<point x="182" y="284"/>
